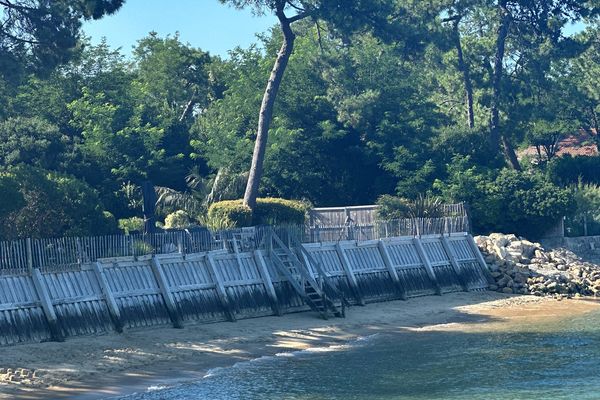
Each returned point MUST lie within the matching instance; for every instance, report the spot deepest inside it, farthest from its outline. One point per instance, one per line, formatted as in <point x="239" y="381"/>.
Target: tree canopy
<point x="378" y="98"/>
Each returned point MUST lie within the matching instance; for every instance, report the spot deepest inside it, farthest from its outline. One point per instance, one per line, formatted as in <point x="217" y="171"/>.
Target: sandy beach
<point x="109" y="365"/>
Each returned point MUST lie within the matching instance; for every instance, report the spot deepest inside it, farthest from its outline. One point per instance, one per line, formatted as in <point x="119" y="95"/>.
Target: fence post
<point x="38" y="282"/>
<point x="467" y="216"/>
<point x="349" y="274"/>
<point x="166" y="293"/>
<point x="79" y="251"/>
<point x="461" y="277"/>
<point x="266" y="277"/>
<point x="29" y="255"/>
<point x="131" y="248"/>
<point x="111" y="304"/>
<point x="387" y="260"/>
<point x="480" y="260"/>
<point x="220" y="287"/>
<point x="180" y="242"/>
<point x="427" y="264"/>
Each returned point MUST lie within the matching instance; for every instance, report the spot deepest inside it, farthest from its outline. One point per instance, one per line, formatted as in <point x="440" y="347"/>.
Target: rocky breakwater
<point x="523" y="267"/>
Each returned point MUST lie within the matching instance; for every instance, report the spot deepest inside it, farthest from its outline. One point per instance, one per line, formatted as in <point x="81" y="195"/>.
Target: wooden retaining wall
<point x="125" y="293"/>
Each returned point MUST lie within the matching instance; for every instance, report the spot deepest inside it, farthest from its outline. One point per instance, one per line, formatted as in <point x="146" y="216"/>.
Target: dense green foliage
<point x="569" y="170"/>
<point x="525" y="203"/>
<point x="269" y="211"/>
<point x="586" y="218"/>
<point x="233" y="212"/>
<point x="364" y="110"/>
<point x="51" y="205"/>
<point x="391" y="207"/>
<point x="272" y="211"/>
<point x="39" y="34"/>
<point x="177" y="220"/>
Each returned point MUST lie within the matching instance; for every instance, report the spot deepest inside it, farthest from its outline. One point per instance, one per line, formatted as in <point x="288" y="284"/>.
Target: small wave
<point x="154" y="388"/>
<point x="353" y="343"/>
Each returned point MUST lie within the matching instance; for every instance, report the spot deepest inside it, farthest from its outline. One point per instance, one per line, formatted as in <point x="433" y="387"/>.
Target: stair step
<point x="296" y="269"/>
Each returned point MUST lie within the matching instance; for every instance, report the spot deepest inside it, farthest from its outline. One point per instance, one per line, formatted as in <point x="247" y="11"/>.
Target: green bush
<point x="177" y="220"/>
<point x="392" y="207"/>
<point x="142" y="248"/>
<point x="424" y="206"/>
<point x="232" y="212"/>
<point x="586" y="218"/>
<point x="216" y="223"/>
<point x="273" y="211"/>
<point x="523" y="203"/>
<point x="268" y="211"/>
<point x="132" y="224"/>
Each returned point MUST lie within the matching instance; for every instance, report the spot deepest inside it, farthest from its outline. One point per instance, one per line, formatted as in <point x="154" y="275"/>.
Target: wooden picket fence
<point x="69" y="253"/>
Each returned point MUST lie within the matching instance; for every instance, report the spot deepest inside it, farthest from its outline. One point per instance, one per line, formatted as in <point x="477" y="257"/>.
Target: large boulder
<point x="520" y="266"/>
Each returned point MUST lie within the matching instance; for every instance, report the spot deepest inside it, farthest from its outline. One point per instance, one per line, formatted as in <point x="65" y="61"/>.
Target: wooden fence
<point x="385" y="229"/>
<point x="69" y="253"/>
<point x="112" y="294"/>
<point x="367" y="215"/>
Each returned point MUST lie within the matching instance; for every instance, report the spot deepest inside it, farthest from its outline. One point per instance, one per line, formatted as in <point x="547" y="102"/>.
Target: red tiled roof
<point x="578" y="144"/>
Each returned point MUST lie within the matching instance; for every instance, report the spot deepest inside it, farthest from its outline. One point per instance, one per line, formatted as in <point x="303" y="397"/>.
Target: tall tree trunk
<point x="266" y="110"/>
<point x="496" y="135"/>
<point x="463" y="67"/>
<point x="510" y="154"/>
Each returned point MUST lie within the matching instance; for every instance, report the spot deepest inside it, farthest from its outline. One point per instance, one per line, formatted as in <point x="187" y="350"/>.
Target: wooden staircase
<point x="309" y="289"/>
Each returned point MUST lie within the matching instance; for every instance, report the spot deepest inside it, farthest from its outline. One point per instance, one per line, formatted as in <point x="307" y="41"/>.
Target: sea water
<point x="553" y="361"/>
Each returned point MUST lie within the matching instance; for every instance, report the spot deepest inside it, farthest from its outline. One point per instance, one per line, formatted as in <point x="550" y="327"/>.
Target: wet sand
<point x="109" y="365"/>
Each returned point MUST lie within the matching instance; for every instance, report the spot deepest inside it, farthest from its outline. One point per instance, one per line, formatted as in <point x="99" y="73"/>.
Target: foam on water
<point x="354" y="343"/>
<point x="560" y="362"/>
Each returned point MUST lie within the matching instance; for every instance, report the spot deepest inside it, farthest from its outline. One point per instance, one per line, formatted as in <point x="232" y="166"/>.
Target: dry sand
<point x="110" y="365"/>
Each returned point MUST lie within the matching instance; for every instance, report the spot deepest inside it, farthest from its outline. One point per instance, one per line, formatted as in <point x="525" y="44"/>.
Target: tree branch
<point x="456" y="17"/>
<point x="298" y="17"/>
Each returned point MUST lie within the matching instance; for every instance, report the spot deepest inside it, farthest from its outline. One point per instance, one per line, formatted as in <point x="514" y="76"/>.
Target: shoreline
<point x="104" y="366"/>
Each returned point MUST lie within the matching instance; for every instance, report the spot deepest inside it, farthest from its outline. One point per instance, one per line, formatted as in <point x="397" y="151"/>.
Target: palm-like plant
<point x="202" y="192"/>
<point x="426" y="206"/>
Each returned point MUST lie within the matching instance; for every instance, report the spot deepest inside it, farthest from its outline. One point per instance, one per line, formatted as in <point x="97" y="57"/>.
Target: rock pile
<point x="523" y="267"/>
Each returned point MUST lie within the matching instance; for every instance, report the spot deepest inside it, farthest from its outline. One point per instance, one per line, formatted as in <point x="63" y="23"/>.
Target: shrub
<point x="142" y="248"/>
<point x="392" y="207"/>
<point x="586" y="218"/>
<point x="273" y="211"/>
<point x="231" y="212"/>
<point x="177" y="220"/>
<point x="109" y="221"/>
<point x="133" y="224"/>
<point x="216" y="223"/>
<point x="268" y="211"/>
<point x="527" y="204"/>
<point x="424" y="206"/>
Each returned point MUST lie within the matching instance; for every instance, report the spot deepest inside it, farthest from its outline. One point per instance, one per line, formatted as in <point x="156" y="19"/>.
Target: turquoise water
<point x="557" y="361"/>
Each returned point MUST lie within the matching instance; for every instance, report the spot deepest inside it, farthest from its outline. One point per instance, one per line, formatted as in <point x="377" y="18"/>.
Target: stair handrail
<point x="303" y="271"/>
<point x="306" y="273"/>
<point x="321" y="271"/>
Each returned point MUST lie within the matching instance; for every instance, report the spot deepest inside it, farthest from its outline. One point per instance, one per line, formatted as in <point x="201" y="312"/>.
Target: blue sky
<point x="206" y="24"/>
